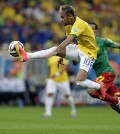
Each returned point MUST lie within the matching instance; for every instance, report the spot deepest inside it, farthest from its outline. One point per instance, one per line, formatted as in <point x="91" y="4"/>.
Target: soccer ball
<point x="12" y="49"/>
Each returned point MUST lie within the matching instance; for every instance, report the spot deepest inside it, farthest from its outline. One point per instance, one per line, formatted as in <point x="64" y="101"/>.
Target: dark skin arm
<point x="66" y="42"/>
<point x="62" y="46"/>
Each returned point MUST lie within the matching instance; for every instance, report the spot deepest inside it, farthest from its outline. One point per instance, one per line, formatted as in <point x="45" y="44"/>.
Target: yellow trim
<point x="74" y="35"/>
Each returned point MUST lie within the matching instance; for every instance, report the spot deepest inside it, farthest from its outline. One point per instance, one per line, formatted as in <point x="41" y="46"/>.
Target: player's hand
<point x="60" y="61"/>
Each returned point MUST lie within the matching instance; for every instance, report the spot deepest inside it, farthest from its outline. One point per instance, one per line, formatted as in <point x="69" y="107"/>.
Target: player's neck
<point x="73" y="20"/>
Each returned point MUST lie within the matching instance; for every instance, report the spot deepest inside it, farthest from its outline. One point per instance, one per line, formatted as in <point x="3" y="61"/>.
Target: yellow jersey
<point x="85" y="37"/>
<point x="52" y="63"/>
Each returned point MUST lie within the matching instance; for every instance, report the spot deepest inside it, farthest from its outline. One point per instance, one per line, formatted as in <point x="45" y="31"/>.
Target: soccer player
<point x="84" y="52"/>
<point x="57" y="80"/>
<point x="104" y="71"/>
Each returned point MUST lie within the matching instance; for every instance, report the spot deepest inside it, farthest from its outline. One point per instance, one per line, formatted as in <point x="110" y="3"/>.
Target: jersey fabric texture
<point x="85" y="37"/>
<point x="52" y="63"/>
<point x="102" y="63"/>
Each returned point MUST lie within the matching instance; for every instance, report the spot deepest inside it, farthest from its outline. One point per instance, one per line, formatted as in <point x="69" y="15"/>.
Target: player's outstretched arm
<point x="62" y="46"/>
<point x="66" y="42"/>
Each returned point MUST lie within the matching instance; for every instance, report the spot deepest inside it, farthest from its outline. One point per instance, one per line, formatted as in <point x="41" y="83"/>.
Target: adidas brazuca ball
<point x="12" y="49"/>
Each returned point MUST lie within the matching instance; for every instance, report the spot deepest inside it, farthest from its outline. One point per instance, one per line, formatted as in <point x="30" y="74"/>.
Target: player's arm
<point x="62" y="46"/>
<point x="66" y="42"/>
<point x="111" y="44"/>
<point x="76" y="30"/>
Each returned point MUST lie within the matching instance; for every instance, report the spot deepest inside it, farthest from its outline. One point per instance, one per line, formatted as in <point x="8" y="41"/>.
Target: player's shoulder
<point x="101" y="39"/>
<point x="79" y="23"/>
<point x="108" y="40"/>
<point x="79" y="20"/>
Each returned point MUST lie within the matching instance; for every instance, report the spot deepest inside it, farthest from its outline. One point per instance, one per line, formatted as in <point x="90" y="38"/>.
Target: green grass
<point x="90" y="120"/>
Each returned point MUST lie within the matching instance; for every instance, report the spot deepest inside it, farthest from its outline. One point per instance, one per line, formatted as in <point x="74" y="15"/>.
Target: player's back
<point x="102" y="63"/>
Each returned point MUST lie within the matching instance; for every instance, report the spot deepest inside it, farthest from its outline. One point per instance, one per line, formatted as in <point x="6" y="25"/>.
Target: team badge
<point x="74" y="29"/>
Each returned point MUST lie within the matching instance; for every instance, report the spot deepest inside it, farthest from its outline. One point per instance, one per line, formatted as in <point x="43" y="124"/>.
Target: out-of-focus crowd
<point x="36" y="23"/>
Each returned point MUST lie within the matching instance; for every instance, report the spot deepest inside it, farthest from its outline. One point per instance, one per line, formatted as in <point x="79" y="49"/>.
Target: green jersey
<point x="102" y="63"/>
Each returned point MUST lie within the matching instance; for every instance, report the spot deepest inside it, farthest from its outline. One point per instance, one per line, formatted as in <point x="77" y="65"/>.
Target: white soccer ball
<point x="12" y="49"/>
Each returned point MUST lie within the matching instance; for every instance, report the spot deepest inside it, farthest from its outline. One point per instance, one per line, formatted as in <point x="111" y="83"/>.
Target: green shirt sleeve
<point x="109" y="43"/>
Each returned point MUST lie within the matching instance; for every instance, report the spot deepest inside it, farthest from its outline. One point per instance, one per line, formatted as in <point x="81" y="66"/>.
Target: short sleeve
<point x="78" y="28"/>
<point x="110" y="43"/>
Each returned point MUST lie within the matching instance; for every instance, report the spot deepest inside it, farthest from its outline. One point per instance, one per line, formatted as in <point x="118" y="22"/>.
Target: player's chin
<point x="64" y="24"/>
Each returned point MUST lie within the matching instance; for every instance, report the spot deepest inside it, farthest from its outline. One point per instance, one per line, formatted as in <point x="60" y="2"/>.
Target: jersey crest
<point x="75" y="29"/>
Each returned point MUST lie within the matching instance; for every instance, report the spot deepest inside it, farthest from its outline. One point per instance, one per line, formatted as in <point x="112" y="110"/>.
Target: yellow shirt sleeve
<point x="78" y="28"/>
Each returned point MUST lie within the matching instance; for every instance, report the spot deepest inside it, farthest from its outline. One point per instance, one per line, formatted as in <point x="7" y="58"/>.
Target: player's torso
<point x="102" y="63"/>
<point x="52" y="62"/>
<point x="86" y="40"/>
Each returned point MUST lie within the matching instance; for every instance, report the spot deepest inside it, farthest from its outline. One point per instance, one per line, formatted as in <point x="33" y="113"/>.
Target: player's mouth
<point x="64" y="23"/>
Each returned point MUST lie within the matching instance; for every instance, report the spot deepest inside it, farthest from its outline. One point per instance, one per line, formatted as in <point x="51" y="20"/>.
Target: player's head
<point x="67" y="14"/>
<point x="94" y="26"/>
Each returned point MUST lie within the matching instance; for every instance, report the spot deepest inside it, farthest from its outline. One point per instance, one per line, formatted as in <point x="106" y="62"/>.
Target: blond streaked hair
<point x="68" y="10"/>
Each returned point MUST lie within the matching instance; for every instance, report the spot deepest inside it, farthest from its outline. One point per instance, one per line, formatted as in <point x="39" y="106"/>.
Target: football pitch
<point x="28" y="120"/>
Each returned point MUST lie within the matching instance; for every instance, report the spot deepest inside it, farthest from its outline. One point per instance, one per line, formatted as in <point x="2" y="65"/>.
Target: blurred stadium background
<point x="36" y="24"/>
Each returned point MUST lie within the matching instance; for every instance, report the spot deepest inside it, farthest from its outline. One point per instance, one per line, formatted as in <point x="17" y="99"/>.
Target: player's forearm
<point x="66" y="42"/>
<point x="62" y="46"/>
